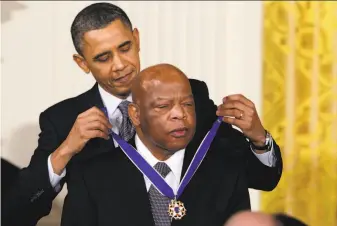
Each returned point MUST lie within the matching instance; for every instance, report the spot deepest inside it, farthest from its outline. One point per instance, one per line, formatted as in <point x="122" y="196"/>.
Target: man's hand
<point x="89" y="124"/>
<point x="239" y="111"/>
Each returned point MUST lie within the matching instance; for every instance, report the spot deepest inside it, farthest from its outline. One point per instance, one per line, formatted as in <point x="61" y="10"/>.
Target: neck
<point x="158" y="152"/>
<point x="122" y="96"/>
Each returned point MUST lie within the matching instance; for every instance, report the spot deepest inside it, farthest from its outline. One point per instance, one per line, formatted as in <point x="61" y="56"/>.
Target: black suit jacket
<point x="110" y="190"/>
<point x="31" y="196"/>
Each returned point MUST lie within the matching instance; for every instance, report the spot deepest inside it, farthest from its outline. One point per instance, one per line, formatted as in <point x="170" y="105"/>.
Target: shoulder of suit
<point x="65" y="107"/>
<point x="199" y="88"/>
<point x="195" y="83"/>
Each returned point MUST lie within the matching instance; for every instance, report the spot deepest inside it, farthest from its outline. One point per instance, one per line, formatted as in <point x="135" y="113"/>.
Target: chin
<point x="124" y="92"/>
<point x="176" y="147"/>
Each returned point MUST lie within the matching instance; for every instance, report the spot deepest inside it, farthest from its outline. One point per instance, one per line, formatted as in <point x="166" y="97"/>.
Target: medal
<point x="176" y="209"/>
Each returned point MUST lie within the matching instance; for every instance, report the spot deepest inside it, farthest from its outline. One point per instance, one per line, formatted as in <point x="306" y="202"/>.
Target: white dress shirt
<point x="175" y="162"/>
<point x="115" y="117"/>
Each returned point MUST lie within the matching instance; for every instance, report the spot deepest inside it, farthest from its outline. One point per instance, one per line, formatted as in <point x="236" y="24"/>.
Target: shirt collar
<point x="110" y="101"/>
<point x="175" y="162"/>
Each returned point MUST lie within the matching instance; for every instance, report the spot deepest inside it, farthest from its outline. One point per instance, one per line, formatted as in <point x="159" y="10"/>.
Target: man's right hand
<point x="89" y="124"/>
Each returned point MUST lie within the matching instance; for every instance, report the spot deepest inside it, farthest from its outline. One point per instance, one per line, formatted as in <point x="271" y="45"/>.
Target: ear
<point x="81" y="62"/>
<point x="134" y="114"/>
<point x="135" y="34"/>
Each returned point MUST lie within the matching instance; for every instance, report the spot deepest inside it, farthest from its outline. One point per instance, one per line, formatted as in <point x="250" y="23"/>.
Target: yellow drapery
<point x="300" y="107"/>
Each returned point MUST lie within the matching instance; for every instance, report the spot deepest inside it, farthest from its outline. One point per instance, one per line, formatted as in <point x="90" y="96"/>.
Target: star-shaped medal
<point x="176" y="209"/>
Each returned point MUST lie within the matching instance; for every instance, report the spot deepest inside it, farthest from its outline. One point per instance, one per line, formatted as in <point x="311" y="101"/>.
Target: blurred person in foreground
<point x="246" y="218"/>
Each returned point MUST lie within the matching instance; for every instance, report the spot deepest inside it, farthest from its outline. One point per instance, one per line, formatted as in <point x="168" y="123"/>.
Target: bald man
<point x="152" y="179"/>
<point x="247" y="218"/>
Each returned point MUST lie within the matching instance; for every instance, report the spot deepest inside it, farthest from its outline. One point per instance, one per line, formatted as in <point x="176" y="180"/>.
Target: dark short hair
<point x="93" y="17"/>
<point x="287" y="220"/>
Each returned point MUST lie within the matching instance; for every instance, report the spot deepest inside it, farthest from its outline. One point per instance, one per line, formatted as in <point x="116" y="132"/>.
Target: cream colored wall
<point x="218" y="42"/>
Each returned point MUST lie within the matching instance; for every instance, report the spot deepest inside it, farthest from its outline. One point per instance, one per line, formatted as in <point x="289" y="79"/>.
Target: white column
<point x="242" y="58"/>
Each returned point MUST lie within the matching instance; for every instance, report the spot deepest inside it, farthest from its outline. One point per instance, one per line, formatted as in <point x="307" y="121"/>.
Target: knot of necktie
<point x="162" y="168"/>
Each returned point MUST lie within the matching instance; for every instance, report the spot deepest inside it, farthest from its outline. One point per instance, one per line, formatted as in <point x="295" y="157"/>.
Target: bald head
<point x="252" y="219"/>
<point x="153" y="76"/>
<point x="163" y="108"/>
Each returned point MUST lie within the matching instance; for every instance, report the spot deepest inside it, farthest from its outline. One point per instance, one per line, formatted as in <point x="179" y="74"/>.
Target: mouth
<point x="124" y="79"/>
<point x="179" y="132"/>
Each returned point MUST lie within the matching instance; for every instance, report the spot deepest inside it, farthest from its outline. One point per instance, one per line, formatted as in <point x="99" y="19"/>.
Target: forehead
<point x="106" y="38"/>
<point x="167" y="88"/>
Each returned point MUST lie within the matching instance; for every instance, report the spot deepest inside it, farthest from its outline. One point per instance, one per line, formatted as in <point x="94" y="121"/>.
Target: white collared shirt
<point x="175" y="162"/>
<point x="111" y="103"/>
<point x="115" y="117"/>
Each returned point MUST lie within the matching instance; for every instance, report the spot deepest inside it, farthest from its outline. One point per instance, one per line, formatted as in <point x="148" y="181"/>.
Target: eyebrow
<point x="109" y="52"/>
<point x="163" y="98"/>
<point x="124" y="44"/>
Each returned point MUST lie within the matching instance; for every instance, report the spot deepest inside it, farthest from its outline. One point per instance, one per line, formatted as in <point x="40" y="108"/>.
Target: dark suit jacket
<point x="31" y="195"/>
<point x="8" y="173"/>
<point x="110" y="190"/>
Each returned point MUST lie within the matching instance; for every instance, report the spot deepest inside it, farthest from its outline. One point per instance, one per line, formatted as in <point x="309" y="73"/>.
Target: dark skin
<point x="111" y="55"/>
<point x="163" y="111"/>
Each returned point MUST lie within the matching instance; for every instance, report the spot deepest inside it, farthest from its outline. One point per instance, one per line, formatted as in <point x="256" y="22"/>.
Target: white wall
<point x="218" y="42"/>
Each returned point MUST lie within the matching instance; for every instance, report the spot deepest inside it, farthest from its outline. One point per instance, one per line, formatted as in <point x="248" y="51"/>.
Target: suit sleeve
<point x="31" y="195"/>
<point x="260" y="176"/>
<point x="79" y="208"/>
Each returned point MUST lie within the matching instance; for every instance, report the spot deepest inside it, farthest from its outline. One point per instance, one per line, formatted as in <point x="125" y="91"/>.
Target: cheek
<point x="191" y="116"/>
<point x="157" y="123"/>
<point x="101" y="72"/>
<point x="156" y="126"/>
<point x="133" y="58"/>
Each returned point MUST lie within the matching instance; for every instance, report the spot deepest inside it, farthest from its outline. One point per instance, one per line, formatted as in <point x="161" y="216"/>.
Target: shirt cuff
<point x="53" y="177"/>
<point x="267" y="158"/>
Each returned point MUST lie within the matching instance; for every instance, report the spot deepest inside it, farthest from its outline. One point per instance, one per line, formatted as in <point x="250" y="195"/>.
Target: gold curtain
<point x="300" y="107"/>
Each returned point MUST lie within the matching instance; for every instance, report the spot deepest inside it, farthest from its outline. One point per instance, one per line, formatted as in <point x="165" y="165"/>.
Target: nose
<point x="178" y="112"/>
<point x="118" y="63"/>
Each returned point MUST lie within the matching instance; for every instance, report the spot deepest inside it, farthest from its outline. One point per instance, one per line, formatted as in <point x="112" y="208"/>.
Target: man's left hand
<point x="239" y="111"/>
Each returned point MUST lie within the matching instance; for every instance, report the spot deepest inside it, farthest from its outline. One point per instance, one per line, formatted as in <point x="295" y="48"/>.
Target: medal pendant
<point x="176" y="209"/>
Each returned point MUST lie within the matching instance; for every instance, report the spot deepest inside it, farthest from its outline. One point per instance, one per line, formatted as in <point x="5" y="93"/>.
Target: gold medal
<point x="176" y="209"/>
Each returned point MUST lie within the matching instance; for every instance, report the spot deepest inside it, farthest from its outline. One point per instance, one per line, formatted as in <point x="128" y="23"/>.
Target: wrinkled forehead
<point x="161" y="89"/>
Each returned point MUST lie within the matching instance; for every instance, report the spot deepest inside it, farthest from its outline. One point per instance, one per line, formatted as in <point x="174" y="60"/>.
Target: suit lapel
<point x="132" y="185"/>
<point x="189" y="153"/>
<point x="196" y="185"/>
<point x="190" y="150"/>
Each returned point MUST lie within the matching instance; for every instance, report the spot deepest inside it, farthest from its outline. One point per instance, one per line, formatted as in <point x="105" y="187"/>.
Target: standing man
<point x="76" y="130"/>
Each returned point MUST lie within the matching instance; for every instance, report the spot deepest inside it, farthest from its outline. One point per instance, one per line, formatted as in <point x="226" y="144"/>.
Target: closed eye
<point x="188" y="104"/>
<point x="162" y="106"/>
<point x="103" y="58"/>
<point x="125" y="48"/>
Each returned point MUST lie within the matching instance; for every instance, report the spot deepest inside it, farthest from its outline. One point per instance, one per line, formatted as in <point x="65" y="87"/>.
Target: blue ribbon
<point x="156" y="179"/>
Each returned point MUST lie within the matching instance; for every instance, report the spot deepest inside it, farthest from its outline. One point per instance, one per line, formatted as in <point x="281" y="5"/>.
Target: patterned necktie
<point x="160" y="203"/>
<point x="127" y="129"/>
